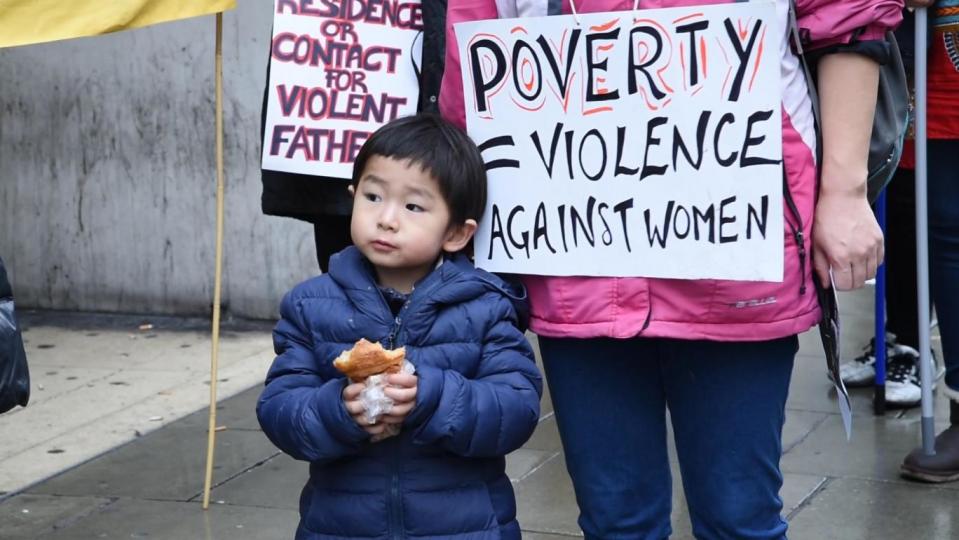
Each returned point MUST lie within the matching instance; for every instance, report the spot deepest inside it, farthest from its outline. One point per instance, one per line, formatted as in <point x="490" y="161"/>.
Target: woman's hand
<point x="847" y="239"/>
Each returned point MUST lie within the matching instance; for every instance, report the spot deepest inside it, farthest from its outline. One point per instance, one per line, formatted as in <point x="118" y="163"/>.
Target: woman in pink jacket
<point x="718" y="354"/>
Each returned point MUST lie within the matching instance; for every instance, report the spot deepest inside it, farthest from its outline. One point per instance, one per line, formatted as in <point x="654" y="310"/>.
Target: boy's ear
<point x="352" y="190"/>
<point x="459" y="235"/>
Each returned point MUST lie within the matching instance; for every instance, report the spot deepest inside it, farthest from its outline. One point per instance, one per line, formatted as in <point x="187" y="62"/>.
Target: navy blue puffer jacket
<point x="477" y="400"/>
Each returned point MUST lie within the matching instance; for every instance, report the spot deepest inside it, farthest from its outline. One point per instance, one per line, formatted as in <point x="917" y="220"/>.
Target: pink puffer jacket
<point x="695" y="309"/>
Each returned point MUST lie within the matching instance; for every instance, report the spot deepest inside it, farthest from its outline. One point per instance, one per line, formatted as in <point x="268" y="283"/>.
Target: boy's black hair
<point x="442" y="150"/>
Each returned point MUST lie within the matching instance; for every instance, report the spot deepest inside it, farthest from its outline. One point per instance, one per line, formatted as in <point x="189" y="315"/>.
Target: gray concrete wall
<point x="107" y="178"/>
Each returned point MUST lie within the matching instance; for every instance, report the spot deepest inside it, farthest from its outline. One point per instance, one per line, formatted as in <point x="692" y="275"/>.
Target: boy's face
<point x="401" y="222"/>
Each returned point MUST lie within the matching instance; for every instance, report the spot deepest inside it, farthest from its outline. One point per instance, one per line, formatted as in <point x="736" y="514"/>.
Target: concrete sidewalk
<point x="151" y="486"/>
<point x="100" y="381"/>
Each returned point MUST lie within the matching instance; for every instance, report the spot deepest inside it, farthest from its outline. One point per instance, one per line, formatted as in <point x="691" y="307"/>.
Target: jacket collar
<point x="351" y="270"/>
<point x="454" y="281"/>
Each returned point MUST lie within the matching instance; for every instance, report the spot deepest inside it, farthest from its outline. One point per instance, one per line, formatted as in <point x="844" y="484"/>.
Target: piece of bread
<point x="366" y="359"/>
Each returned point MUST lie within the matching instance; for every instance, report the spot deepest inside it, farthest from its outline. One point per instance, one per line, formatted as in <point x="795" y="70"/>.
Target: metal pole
<point x="879" y="391"/>
<point x="218" y="271"/>
<point x="922" y="237"/>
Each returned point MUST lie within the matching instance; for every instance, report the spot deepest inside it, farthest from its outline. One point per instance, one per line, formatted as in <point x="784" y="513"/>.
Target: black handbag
<point x="14" y="375"/>
<point x="891" y="121"/>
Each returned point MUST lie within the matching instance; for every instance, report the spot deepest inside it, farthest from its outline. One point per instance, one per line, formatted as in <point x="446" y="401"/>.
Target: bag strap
<point x="810" y="82"/>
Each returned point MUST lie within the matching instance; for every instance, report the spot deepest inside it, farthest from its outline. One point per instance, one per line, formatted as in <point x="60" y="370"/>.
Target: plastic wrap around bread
<point x="366" y="359"/>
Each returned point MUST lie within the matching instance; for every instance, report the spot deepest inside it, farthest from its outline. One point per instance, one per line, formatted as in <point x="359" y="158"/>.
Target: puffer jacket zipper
<point x="797" y="232"/>
<point x="396" y="512"/>
<point x="397" y="528"/>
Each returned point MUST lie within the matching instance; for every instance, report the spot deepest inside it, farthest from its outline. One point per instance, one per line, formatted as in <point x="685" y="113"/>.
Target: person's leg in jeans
<point x="727" y="403"/>
<point x="944" y="251"/>
<point x="608" y="398"/>
<point x="944" y="276"/>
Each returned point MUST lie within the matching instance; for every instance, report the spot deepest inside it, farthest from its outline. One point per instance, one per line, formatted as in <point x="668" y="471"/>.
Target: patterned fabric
<point x="942" y="83"/>
<point x="945" y="24"/>
<point x="945" y="15"/>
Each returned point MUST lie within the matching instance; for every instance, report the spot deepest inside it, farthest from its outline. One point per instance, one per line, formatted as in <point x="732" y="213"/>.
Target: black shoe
<point x="944" y="465"/>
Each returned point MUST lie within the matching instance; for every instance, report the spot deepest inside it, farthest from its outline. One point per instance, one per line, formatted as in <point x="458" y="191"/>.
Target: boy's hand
<point x="401" y="388"/>
<point x="351" y="398"/>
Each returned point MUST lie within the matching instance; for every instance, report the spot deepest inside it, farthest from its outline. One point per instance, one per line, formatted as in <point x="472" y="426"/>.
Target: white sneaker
<point x="858" y="372"/>
<point x="902" y="378"/>
<point x="902" y="371"/>
<point x="861" y="371"/>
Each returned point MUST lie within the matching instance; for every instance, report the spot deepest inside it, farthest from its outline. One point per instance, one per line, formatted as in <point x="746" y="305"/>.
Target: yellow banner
<point x="35" y="21"/>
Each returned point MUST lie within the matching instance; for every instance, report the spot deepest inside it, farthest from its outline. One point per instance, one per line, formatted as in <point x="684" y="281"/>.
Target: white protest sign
<point x="339" y="70"/>
<point x="642" y="143"/>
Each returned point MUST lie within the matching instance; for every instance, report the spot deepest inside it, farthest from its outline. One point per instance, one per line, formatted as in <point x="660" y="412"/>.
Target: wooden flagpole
<point x="211" y="432"/>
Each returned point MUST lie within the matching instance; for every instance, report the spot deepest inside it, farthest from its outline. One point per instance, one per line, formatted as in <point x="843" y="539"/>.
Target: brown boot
<point x="942" y="467"/>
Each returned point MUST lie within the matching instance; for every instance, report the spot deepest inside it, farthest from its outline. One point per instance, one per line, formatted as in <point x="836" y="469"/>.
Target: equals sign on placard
<point x="496" y="142"/>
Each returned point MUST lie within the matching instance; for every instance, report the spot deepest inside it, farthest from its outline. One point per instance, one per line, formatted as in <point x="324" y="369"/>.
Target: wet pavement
<point x="99" y="381"/>
<point x="151" y="486"/>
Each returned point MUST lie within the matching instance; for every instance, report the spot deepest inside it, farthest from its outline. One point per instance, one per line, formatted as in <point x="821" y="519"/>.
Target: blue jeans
<point x="727" y="405"/>
<point x="944" y="249"/>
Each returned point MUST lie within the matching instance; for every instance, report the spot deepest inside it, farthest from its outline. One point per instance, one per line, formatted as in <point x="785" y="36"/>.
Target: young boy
<point x="419" y="187"/>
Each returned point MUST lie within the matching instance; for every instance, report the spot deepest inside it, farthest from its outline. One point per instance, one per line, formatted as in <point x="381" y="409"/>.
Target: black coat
<point x="14" y="376"/>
